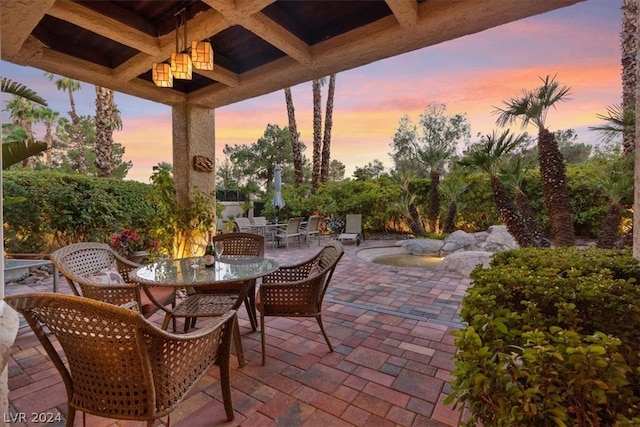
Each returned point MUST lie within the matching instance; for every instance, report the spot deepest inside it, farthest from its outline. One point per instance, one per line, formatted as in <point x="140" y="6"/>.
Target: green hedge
<point x="66" y="208"/>
<point x="551" y="339"/>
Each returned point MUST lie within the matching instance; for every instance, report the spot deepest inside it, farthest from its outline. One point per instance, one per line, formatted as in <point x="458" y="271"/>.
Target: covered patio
<point x="391" y="327"/>
<point x="391" y="330"/>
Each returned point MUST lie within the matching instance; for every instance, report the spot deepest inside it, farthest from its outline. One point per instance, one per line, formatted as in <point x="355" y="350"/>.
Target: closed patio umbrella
<point x="277" y="201"/>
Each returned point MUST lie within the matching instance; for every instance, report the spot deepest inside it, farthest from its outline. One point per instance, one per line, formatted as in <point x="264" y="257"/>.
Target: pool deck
<point x="390" y="327"/>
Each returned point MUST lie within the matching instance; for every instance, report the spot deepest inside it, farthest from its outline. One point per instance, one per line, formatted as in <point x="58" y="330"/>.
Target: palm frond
<point x="16" y="151"/>
<point x="18" y="89"/>
<point x="618" y="121"/>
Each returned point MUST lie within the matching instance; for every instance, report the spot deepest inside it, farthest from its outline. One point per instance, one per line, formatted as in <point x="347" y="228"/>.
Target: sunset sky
<point x="580" y="44"/>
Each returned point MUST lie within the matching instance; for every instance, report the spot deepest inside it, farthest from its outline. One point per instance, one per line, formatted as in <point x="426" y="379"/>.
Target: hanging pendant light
<point x="181" y="62"/>
<point x="161" y="74"/>
<point x="202" y="55"/>
<point x="181" y="66"/>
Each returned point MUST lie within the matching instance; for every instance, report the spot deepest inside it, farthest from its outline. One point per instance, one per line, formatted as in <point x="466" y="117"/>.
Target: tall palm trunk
<point x="529" y="218"/>
<point x="629" y="44"/>
<point x="105" y="124"/>
<point x="509" y="214"/>
<point x="328" y="124"/>
<point x="48" y="139"/>
<point x="317" y="135"/>
<point x="414" y="221"/>
<point x="295" y="137"/>
<point x="78" y="140"/>
<point x="609" y="228"/>
<point x="434" y="201"/>
<point x="554" y="189"/>
<point x="450" y="220"/>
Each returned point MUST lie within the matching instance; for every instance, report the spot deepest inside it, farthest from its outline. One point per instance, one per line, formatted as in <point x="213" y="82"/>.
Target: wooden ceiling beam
<point x="380" y="39"/>
<point x="78" y="69"/>
<point x="248" y="14"/>
<point x="106" y="27"/>
<point x="405" y="11"/>
<point x="17" y="21"/>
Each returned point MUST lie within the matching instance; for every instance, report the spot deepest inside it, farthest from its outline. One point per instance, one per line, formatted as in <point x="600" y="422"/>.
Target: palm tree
<point x="317" y="134"/>
<point x="68" y="85"/>
<point x="531" y="107"/>
<point x="328" y="124"/>
<point x="18" y="89"/>
<point x="513" y="176"/>
<point x="24" y="113"/>
<point x="107" y="120"/>
<point x="408" y="201"/>
<point x="15" y="150"/>
<point x="434" y="157"/>
<point x="48" y="117"/>
<point x="618" y="121"/>
<point x="439" y="136"/>
<point x="452" y="188"/>
<point x="629" y="45"/>
<point x="616" y="182"/>
<point x="487" y="156"/>
<point x="295" y="138"/>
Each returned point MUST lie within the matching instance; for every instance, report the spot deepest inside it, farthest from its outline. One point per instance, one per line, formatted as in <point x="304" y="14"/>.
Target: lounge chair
<point x="311" y="229"/>
<point x="292" y="230"/>
<point x="352" y="229"/>
<point x="244" y="225"/>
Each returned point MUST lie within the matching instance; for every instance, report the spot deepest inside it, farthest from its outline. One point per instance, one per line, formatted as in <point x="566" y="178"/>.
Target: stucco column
<point x="193" y="150"/>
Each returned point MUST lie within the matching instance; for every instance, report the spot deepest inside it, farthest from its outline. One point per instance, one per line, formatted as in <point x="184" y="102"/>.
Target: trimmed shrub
<point x="551" y="339"/>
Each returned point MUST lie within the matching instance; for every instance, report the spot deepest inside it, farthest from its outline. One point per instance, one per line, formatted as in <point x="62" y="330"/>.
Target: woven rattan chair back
<point x="237" y="244"/>
<point x="298" y="290"/>
<point x="118" y="365"/>
<point x="76" y="261"/>
<point x="241" y="243"/>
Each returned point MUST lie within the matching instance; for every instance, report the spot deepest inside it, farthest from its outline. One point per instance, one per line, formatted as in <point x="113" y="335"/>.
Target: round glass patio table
<point x="180" y="273"/>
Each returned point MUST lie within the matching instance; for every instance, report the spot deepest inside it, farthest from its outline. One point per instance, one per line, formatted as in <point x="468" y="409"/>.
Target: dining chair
<point x="312" y="228"/>
<point x="292" y="230"/>
<point x="94" y="270"/>
<point x="238" y="244"/>
<point x="298" y="290"/>
<point x="116" y="364"/>
<point x="243" y="225"/>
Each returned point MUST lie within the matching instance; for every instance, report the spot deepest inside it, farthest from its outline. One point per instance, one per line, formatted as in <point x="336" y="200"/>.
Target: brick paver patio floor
<point x="391" y="330"/>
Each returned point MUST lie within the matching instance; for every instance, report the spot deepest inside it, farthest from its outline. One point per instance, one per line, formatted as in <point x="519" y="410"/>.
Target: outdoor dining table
<point x="191" y="273"/>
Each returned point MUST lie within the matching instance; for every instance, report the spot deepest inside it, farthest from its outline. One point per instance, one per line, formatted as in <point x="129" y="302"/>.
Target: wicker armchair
<point x="119" y="365"/>
<point x="298" y="290"/>
<point x="79" y="263"/>
<point x="239" y="244"/>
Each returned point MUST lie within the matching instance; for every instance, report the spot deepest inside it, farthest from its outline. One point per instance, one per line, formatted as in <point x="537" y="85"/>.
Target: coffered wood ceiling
<point x="259" y="45"/>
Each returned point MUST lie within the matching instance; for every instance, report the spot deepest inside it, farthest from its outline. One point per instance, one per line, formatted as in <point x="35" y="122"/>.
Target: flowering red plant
<point x="129" y="241"/>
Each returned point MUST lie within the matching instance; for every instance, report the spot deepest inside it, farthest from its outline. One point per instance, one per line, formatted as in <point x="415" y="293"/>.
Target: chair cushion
<point x="106" y="276"/>
<point x="164" y="295"/>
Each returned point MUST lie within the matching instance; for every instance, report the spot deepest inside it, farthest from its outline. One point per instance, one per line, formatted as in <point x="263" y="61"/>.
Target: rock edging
<point x="463" y="251"/>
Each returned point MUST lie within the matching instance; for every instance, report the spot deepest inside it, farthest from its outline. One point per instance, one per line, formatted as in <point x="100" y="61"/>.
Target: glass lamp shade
<point x="202" y="55"/>
<point x="161" y="74"/>
<point x="181" y="66"/>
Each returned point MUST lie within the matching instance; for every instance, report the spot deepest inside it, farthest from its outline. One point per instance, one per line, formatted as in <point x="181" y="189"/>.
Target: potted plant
<point x="133" y="245"/>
